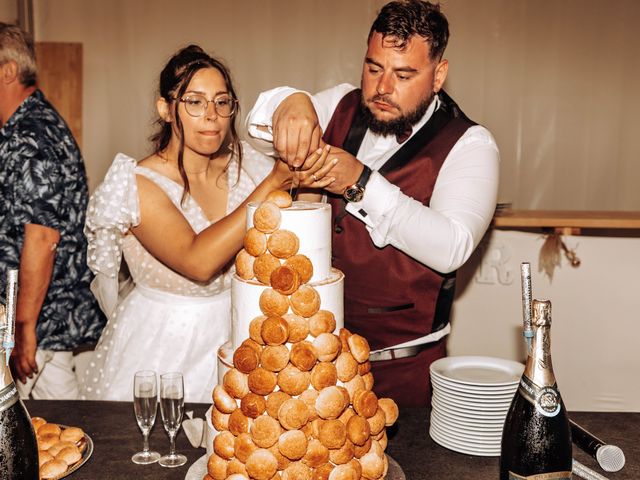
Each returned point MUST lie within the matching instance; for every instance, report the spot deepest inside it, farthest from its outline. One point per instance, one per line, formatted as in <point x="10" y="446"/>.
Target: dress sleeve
<point x="113" y="209"/>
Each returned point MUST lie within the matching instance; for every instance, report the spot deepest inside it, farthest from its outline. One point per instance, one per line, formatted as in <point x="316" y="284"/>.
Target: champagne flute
<point x="172" y="408"/>
<point x="145" y="406"/>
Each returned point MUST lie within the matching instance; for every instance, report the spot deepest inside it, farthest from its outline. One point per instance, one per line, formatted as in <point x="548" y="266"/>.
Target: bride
<point x="178" y="216"/>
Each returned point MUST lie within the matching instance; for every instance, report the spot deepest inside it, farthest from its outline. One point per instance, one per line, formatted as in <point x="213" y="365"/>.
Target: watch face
<point x="354" y="193"/>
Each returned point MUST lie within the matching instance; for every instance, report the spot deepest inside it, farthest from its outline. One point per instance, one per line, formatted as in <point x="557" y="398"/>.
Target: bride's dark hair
<point x="174" y="80"/>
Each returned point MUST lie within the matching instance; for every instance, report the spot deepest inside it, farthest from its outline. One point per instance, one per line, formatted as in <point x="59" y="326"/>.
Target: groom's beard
<point x="398" y="126"/>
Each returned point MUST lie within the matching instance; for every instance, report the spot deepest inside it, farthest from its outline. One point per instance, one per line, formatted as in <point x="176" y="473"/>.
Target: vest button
<point x="337" y="229"/>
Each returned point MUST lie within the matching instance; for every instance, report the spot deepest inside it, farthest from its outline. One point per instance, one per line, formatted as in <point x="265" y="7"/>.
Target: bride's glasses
<point x="145" y="406"/>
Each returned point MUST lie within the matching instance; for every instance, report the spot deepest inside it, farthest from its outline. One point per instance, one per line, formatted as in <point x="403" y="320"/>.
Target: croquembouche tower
<point x="294" y="398"/>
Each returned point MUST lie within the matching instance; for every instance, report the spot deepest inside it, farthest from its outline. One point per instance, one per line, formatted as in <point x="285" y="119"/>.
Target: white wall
<point x="8" y="11"/>
<point x="554" y="81"/>
<point x="595" y="314"/>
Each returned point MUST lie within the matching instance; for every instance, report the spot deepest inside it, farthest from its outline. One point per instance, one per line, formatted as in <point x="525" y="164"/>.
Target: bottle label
<point x="8" y="396"/>
<point x="545" y="399"/>
<point x="542" y="476"/>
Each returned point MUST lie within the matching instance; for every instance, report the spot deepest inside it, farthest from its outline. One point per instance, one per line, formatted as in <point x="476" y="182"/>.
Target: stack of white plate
<point x="471" y="397"/>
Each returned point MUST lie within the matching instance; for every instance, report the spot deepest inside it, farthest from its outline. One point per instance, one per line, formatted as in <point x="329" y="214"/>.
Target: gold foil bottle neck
<point x="541" y="313"/>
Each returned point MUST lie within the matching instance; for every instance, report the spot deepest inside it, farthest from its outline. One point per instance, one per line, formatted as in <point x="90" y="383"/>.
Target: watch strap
<point x="363" y="179"/>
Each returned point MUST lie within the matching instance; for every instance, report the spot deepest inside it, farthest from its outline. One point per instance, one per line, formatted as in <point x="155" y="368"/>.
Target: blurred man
<point x="43" y="198"/>
<point x="412" y="193"/>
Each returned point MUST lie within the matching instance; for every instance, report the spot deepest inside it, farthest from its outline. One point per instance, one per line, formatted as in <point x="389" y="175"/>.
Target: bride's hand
<point x="316" y="171"/>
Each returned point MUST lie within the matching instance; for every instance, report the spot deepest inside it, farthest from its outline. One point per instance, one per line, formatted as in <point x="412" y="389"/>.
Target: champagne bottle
<point x="536" y="439"/>
<point x="18" y="447"/>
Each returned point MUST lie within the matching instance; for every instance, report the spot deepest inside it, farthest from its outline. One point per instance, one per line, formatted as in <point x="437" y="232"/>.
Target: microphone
<point x="609" y="457"/>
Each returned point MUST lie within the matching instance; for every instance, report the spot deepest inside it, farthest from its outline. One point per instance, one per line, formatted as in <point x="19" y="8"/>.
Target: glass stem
<point x="145" y="439"/>
<point x="172" y="443"/>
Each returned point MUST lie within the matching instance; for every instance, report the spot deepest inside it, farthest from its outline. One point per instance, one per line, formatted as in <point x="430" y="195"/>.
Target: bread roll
<point x="273" y="304"/>
<point x="281" y="198"/>
<point x="283" y="244"/>
<point x="43" y="457"/>
<point x="255" y="242"/>
<point x="368" y="380"/>
<point x="255" y="329"/>
<point x="217" y="467"/>
<point x="266" y="217"/>
<point x="293" y="381"/>
<point x="327" y="347"/>
<point x="244" y="447"/>
<point x="303" y="356"/>
<point x="219" y="420"/>
<point x="354" y="385"/>
<point x="49" y="429"/>
<point x="293" y="414"/>
<point x="275" y="401"/>
<point x="346" y="415"/>
<point x="305" y="301"/>
<point x="372" y="466"/>
<point x="355" y="463"/>
<point x="285" y="280"/>
<point x="70" y="455"/>
<point x="330" y="403"/>
<point x="224" y="445"/>
<point x="296" y="471"/>
<point x="332" y="434"/>
<point x="390" y="409"/>
<point x="235" y="383"/>
<point x="238" y="422"/>
<point x="263" y="267"/>
<point x="302" y="265"/>
<point x="360" y="450"/>
<point x="262" y="381"/>
<point x="72" y="434"/>
<point x="322" y="322"/>
<point x="298" y="327"/>
<point x="37" y="422"/>
<point x="222" y="400"/>
<point x="346" y="366"/>
<point x="382" y="439"/>
<point x="253" y="405"/>
<point x="323" y="472"/>
<point x="317" y="454"/>
<point x="236" y="470"/>
<point x="344" y="335"/>
<point x="261" y="464"/>
<point x="53" y="469"/>
<point x="265" y="431"/>
<point x="245" y="359"/>
<point x="344" y="472"/>
<point x="275" y="330"/>
<point x="283" y="462"/>
<point x="359" y="347"/>
<point x="57" y="447"/>
<point x="274" y="357"/>
<point x="364" y="368"/>
<point x="343" y="454"/>
<point x="309" y="398"/>
<point x="45" y="442"/>
<point x="293" y="444"/>
<point x="365" y="403"/>
<point x="358" y="430"/>
<point x="324" y="374"/>
<point x="255" y="346"/>
<point x="377" y="422"/>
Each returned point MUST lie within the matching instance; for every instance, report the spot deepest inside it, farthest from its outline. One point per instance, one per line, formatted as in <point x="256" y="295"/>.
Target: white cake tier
<point x="311" y="222"/>
<point x="245" y="302"/>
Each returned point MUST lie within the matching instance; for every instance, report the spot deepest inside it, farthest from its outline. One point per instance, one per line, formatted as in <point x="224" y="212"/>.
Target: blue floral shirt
<point x="43" y="181"/>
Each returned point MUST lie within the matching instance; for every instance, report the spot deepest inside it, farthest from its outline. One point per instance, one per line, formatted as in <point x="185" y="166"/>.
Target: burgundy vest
<point x="391" y="298"/>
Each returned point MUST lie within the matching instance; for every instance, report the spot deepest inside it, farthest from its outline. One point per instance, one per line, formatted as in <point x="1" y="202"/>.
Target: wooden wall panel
<point x="60" y="78"/>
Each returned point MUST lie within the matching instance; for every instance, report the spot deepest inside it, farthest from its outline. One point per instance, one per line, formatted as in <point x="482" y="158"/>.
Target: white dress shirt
<point x="441" y="235"/>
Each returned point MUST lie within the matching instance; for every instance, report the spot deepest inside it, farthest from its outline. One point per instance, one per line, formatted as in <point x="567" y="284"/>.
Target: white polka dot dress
<point x="166" y="322"/>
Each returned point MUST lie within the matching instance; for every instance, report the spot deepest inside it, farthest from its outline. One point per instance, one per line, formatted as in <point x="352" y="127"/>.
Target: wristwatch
<point x="355" y="192"/>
